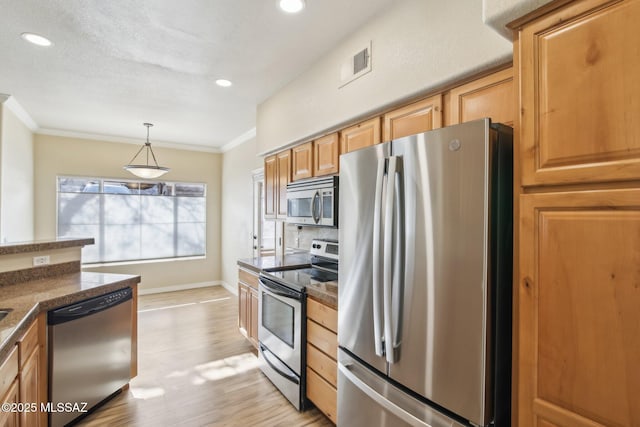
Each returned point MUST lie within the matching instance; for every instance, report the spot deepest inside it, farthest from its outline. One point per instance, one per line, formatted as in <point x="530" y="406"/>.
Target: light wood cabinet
<point x="302" y="161"/>
<point x="322" y="355"/>
<point x="326" y="154"/>
<point x="362" y="135"/>
<point x="283" y="166"/>
<point x="492" y="96"/>
<point x="579" y="94"/>
<point x="579" y="319"/>
<point x="9" y="391"/>
<point x="248" y="305"/>
<point x="277" y="174"/>
<point x="32" y="372"/>
<point x="414" y="118"/>
<point x="270" y="187"/>
<point x="578" y="250"/>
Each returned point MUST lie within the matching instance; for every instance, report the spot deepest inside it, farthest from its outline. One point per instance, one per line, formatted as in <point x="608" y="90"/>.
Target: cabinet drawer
<point x="322" y="314"/>
<point x="28" y="343"/>
<point x="322" y="394"/>
<point x="325" y="366"/>
<point x="248" y="278"/>
<point x="8" y="371"/>
<point x="323" y="339"/>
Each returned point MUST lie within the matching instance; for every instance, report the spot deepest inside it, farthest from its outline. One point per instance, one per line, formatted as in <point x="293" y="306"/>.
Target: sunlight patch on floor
<point x="227" y="367"/>
<point x="145" y="393"/>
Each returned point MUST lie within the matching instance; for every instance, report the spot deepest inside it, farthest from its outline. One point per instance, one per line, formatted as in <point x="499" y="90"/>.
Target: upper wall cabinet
<point x="359" y="136"/>
<point x="580" y="94"/>
<point x="270" y="187"/>
<point x="283" y="162"/>
<point x="326" y="153"/>
<point x="277" y="174"/>
<point x="414" y="118"/>
<point x="302" y="161"/>
<point x="491" y="96"/>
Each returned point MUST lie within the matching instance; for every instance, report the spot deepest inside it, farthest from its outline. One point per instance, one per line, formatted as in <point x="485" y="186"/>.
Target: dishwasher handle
<point x="89" y="306"/>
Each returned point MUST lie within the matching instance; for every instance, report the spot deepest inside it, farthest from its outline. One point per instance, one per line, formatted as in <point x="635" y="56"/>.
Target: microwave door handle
<point x="389" y="258"/>
<point x="377" y="270"/>
<point x="315" y="207"/>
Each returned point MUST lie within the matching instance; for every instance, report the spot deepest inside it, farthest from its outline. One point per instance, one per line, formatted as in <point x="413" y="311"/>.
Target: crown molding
<point x="10" y="102"/>
<point x="239" y="140"/>
<point x="125" y="140"/>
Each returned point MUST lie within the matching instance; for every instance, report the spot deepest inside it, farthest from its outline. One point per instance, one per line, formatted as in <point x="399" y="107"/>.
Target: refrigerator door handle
<point x="397" y="291"/>
<point x="377" y="274"/>
<point x="389" y="258"/>
<point x="347" y="371"/>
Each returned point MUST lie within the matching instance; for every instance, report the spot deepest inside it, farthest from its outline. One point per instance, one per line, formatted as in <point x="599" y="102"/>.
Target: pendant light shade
<point x="146" y="171"/>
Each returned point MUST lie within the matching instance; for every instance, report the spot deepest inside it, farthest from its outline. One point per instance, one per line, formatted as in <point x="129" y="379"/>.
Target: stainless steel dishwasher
<point x="89" y="353"/>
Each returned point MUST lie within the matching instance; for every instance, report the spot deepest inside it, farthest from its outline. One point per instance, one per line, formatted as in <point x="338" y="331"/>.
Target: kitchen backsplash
<point x="299" y="237"/>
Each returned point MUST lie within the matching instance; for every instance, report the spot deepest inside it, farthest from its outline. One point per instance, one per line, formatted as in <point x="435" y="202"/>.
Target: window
<point x="133" y="220"/>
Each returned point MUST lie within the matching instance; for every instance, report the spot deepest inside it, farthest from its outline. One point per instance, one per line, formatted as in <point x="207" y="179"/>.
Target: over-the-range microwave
<point x="313" y="202"/>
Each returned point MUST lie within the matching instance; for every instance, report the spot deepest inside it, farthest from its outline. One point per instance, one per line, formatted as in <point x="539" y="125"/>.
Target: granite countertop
<point x="326" y="293"/>
<point x="28" y="299"/>
<point x="266" y="263"/>
<point x="43" y="245"/>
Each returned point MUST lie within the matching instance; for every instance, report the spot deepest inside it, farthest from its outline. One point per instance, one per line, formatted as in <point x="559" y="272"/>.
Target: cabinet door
<point x="326" y="153"/>
<point x="8" y="418"/>
<point x="283" y="161"/>
<point x="29" y="384"/>
<point x="270" y="187"/>
<point x="253" y="310"/>
<point x="580" y="94"/>
<point x="243" y="314"/>
<point x="359" y="136"/>
<point x="579" y="316"/>
<point x="302" y="161"/>
<point x="414" y="118"/>
<point x="491" y="96"/>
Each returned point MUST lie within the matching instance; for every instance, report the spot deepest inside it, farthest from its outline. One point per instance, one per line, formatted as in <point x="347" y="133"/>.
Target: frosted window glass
<point x="133" y="220"/>
<point x="191" y="239"/>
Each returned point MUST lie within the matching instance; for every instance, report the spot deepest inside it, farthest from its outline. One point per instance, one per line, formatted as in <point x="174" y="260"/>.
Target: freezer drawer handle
<point x="346" y="370"/>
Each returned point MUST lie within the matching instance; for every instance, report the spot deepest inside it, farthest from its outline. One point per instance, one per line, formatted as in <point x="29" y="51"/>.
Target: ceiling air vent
<point x="357" y="65"/>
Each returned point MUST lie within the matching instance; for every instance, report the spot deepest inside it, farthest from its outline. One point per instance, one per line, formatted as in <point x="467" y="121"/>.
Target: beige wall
<point x="417" y="45"/>
<point x="237" y="207"/>
<point x="56" y="155"/>
<point x="16" y="179"/>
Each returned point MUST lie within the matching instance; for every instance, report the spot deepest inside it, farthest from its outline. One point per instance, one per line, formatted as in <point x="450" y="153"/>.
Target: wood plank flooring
<point x="195" y="369"/>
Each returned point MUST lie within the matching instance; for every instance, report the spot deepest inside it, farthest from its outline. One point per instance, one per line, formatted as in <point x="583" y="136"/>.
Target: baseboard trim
<point x="232" y="289"/>
<point x="184" y="287"/>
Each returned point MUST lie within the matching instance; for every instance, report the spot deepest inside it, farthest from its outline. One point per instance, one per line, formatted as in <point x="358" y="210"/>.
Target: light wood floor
<point x="195" y="369"/>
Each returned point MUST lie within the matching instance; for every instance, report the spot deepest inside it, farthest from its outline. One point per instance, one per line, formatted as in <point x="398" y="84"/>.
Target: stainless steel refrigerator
<point x="424" y="314"/>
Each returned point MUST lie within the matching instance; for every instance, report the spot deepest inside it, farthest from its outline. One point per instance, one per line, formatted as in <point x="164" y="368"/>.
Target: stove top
<point x="323" y="268"/>
<point x="302" y="278"/>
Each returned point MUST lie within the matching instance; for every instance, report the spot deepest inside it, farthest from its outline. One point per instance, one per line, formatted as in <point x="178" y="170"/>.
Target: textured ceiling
<point x="118" y="63"/>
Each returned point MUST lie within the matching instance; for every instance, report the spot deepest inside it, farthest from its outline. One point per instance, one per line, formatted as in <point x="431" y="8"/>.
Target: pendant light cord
<point x="146" y="145"/>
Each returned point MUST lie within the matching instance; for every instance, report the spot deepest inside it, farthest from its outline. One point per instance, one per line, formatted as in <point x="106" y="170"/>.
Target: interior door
<point x="356" y="215"/>
<point x="442" y="329"/>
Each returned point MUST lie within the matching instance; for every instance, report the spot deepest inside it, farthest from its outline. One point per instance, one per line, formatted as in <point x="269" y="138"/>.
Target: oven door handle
<point x="265" y="354"/>
<point x="279" y="290"/>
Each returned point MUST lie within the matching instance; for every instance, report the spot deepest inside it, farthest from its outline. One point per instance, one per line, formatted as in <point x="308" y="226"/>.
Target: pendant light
<point x="146" y="171"/>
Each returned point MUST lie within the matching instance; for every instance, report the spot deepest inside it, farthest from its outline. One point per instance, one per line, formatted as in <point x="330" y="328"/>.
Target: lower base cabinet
<point x="322" y="365"/>
<point x="248" y="305"/>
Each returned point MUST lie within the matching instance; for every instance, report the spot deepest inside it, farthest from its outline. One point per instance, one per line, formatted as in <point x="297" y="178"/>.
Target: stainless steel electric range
<point x="282" y="319"/>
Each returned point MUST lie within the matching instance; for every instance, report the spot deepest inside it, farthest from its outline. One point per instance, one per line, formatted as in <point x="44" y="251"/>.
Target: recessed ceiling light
<point x="292" y="6"/>
<point x="36" y="39"/>
<point x="223" y="83"/>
